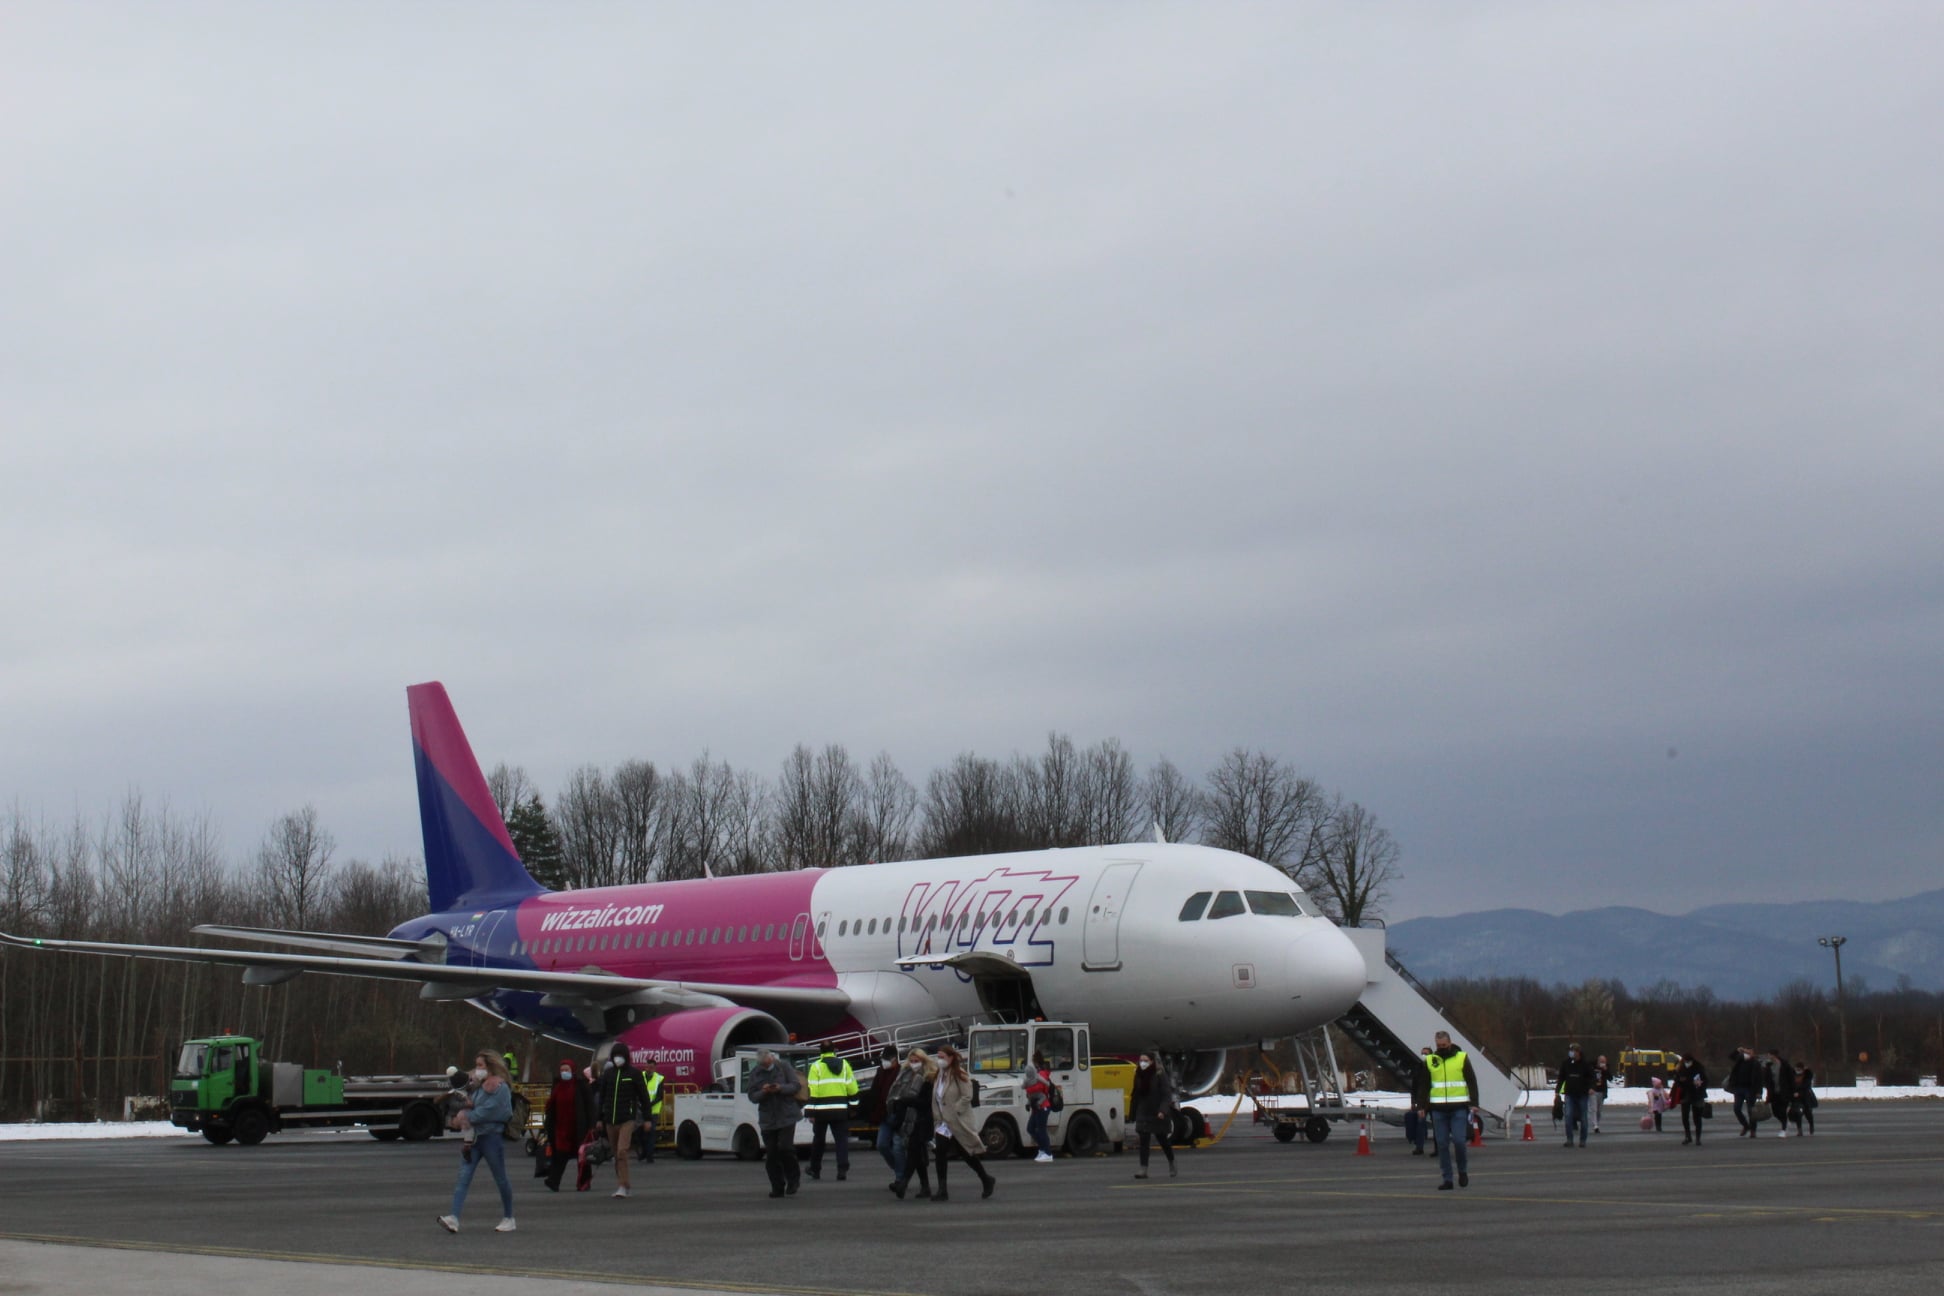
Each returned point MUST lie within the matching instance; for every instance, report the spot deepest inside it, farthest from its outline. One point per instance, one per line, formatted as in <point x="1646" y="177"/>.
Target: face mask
<point x="566" y="1075"/>
<point x="479" y="1073"/>
<point x="1145" y="1064"/>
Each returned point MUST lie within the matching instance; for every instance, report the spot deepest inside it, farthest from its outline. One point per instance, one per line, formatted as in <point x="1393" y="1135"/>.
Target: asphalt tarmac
<point x="1860" y="1206"/>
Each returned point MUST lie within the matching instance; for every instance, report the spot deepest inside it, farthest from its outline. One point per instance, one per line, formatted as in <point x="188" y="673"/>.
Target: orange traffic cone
<point x="1477" y="1132"/>
<point x="1527" y="1136"/>
<point x="1363" y="1138"/>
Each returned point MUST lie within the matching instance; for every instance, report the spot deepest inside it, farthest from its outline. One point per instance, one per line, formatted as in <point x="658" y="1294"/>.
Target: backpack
<point x="1055" y="1100"/>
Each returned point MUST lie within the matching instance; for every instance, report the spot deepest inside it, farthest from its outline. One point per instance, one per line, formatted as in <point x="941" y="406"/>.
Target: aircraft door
<point x="1100" y="936"/>
<point x="798" y="931"/>
<point x="482" y="942"/>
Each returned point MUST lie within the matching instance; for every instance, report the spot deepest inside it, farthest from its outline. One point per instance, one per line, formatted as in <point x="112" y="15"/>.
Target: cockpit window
<point x="1197" y="902"/>
<point x="1302" y="905"/>
<point x="1227" y="905"/>
<point x="1275" y="904"/>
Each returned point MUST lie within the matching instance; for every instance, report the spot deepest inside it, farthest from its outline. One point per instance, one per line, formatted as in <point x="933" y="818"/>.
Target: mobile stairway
<point x="1396" y="1017"/>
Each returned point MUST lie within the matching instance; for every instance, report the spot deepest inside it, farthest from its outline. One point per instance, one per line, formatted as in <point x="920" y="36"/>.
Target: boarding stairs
<point x="1396" y="1017"/>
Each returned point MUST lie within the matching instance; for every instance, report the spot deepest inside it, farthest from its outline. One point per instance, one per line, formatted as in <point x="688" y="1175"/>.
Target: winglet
<point x="469" y="858"/>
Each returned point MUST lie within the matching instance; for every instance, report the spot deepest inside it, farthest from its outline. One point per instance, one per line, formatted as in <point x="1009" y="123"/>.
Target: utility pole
<point x="1834" y="944"/>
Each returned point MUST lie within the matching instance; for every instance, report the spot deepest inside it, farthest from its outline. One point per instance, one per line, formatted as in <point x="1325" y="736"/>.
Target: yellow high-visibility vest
<point x="655" y="1094"/>
<point x="830" y="1090"/>
<point x="1448" y="1087"/>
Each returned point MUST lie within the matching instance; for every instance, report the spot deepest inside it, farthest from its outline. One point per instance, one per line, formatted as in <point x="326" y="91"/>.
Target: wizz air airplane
<point x="1183" y="949"/>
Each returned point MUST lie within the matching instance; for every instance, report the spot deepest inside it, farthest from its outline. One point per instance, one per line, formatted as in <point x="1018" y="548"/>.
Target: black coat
<point x="1744" y="1074"/>
<point x="623" y="1098"/>
<point x="912" y="1114"/>
<point x="1692" y="1080"/>
<point x="1575" y="1077"/>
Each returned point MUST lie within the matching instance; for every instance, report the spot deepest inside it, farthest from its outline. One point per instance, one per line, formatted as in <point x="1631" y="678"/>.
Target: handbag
<point x="1707" y="1111"/>
<point x="1055" y="1100"/>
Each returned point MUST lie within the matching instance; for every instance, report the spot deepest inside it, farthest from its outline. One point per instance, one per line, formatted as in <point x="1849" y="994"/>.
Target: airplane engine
<point x="1201" y="1072"/>
<point x="685" y="1045"/>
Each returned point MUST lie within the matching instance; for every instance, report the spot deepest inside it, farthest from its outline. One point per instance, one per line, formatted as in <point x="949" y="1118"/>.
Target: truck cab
<point x="999" y="1056"/>
<point x="225" y="1089"/>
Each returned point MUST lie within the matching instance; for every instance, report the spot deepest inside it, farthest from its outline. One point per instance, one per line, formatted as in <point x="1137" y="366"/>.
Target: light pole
<point x="1834" y="944"/>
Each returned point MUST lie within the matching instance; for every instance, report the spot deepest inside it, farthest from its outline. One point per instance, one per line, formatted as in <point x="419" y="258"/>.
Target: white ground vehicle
<point x="1091" y="1119"/>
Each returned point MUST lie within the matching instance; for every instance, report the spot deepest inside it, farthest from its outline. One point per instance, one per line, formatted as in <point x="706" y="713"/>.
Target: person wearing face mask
<point x="778" y="1092"/>
<point x="954" y="1134"/>
<point x="878" y="1106"/>
<point x="622" y="1102"/>
<point x="1575" y="1084"/>
<point x="1152" y="1105"/>
<point x="492" y="1108"/>
<point x="569" y="1115"/>
<point x="911" y="1119"/>
<point x="1691" y="1083"/>
<point x="1445" y="1090"/>
<point x="1745" y="1083"/>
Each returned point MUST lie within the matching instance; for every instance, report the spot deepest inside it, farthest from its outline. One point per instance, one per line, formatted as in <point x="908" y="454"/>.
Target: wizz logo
<point x="1007" y="911"/>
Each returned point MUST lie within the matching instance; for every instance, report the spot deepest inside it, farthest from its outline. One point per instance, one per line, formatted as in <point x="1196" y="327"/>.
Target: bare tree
<point x="589" y="824"/>
<point x="816" y="808"/>
<point x="973" y="808"/>
<point x="1049" y="791"/>
<point x="1260" y="807"/>
<point x="1171" y="802"/>
<point x="712" y="822"/>
<point x="510" y="787"/>
<point x="293" y="867"/>
<point x="1110" y="799"/>
<point x="885" y="809"/>
<point x="637" y="802"/>
<point x="1357" y="866"/>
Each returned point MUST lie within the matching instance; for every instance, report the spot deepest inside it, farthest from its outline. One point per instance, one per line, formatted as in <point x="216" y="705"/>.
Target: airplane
<point x="1186" y="950"/>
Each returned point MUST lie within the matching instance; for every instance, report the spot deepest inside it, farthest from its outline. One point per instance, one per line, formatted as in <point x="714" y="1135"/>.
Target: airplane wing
<point x="452" y="981"/>
<point x="333" y="942"/>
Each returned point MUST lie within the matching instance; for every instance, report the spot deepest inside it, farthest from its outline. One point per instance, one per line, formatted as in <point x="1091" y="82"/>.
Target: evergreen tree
<point x="534" y="837"/>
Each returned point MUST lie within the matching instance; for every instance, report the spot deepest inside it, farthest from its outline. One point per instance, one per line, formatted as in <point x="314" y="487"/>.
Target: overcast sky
<point x="1523" y="418"/>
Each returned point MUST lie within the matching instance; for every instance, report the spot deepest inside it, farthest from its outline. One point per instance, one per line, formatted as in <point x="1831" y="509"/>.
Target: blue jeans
<point x="1036" y="1129"/>
<point x="1576" y="1114"/>
<point x="1450" y="1126"/>
<point x="491" y="1149"/>
<point x="891" y="1146"/>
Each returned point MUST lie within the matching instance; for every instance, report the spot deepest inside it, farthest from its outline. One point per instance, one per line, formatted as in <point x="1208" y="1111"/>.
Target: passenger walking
<point x="1781" y="1090"/>
<point x="492" y="1108"/>
<point x="778" y="1092"/>
<point x="1575" y="1084"/>
<point x="1597" y="1095"/>
<point x="1039" y="1107"/>
<point x="568" y="1118"/>
<point x="911" y="1118"/>
<point x="1691" y="1082"/>
<point x="952" y="1104"/>
<point x="1745" y="1085"/>
<point x="1657" y="1101"/>
<point x="1152" y="1105"/>
<point x="1416" y="1121"/>
<point x="877" y="1107"/>
<point x="1444" y="1091"/>
<point x="622" y="1103"/>
<point x="1805" y="1098"/>
<point x="832" y="1087"/>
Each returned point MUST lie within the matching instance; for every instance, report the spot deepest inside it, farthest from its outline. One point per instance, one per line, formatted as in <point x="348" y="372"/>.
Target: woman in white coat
<point x="952" y="1102"/>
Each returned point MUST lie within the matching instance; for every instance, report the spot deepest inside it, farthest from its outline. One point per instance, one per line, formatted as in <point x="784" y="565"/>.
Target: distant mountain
<point x="1740" y="951"/>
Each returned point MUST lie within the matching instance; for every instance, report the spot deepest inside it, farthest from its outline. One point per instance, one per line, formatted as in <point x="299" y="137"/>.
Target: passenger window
<point x="841" y="928"/>
<point x="1063" y="915"/>
<point x="1192" y="911"/>
<point x="1227" y="905"/>
<point x="1274" y="904"/>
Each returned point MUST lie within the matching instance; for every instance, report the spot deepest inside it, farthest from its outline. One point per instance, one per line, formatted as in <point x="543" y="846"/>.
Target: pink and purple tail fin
<point x="469" y="858"/>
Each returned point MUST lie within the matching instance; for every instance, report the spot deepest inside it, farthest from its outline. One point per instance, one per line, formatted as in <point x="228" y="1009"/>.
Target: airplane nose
<point x="1326" y="971"/>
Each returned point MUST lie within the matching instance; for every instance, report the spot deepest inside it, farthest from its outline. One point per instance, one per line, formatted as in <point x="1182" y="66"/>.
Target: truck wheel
<point x="251" y="1126"/>
<point x="1285" y="1133"/>
<point x="1084" y="1136"/>
<point x="1001" y="1137"/>
<point x="1316" y="1129"/>
<point x="217" y="1136"/>
<point x="418" y="1123"/>
<point x="747" y="1145"/>
<point x="688" y="1141"/>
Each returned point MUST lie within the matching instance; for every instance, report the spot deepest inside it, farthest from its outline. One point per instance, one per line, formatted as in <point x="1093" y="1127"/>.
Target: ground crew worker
<point x="651" y="1085"/>
<point x="512" y="1065"/>
<point x="622" y="1100"/>
<point x="832" y="1086"/>
<point x="1445" y="1090"/>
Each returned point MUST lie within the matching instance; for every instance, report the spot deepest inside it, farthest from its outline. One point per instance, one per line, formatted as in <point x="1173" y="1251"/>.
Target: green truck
<point x="225" y="1089"/>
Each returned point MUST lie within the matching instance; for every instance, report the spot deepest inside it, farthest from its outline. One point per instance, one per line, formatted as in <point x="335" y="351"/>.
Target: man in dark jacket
<point x="778" y="1092"/>
<point x="1745" y="1083"/>
<point x="1575" y="1083"/>
<point x="1444" y="1091"/>
<point x="622" y="1100"/>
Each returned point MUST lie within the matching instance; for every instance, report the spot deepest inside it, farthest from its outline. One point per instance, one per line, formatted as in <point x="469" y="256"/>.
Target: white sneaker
<point x="622" y="1191"/>
<point x="1783" y="1134"/>
<point x="505" y="1226"/>
<point x="1043" y="1158"/>
<point x="450" y="1223"/>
